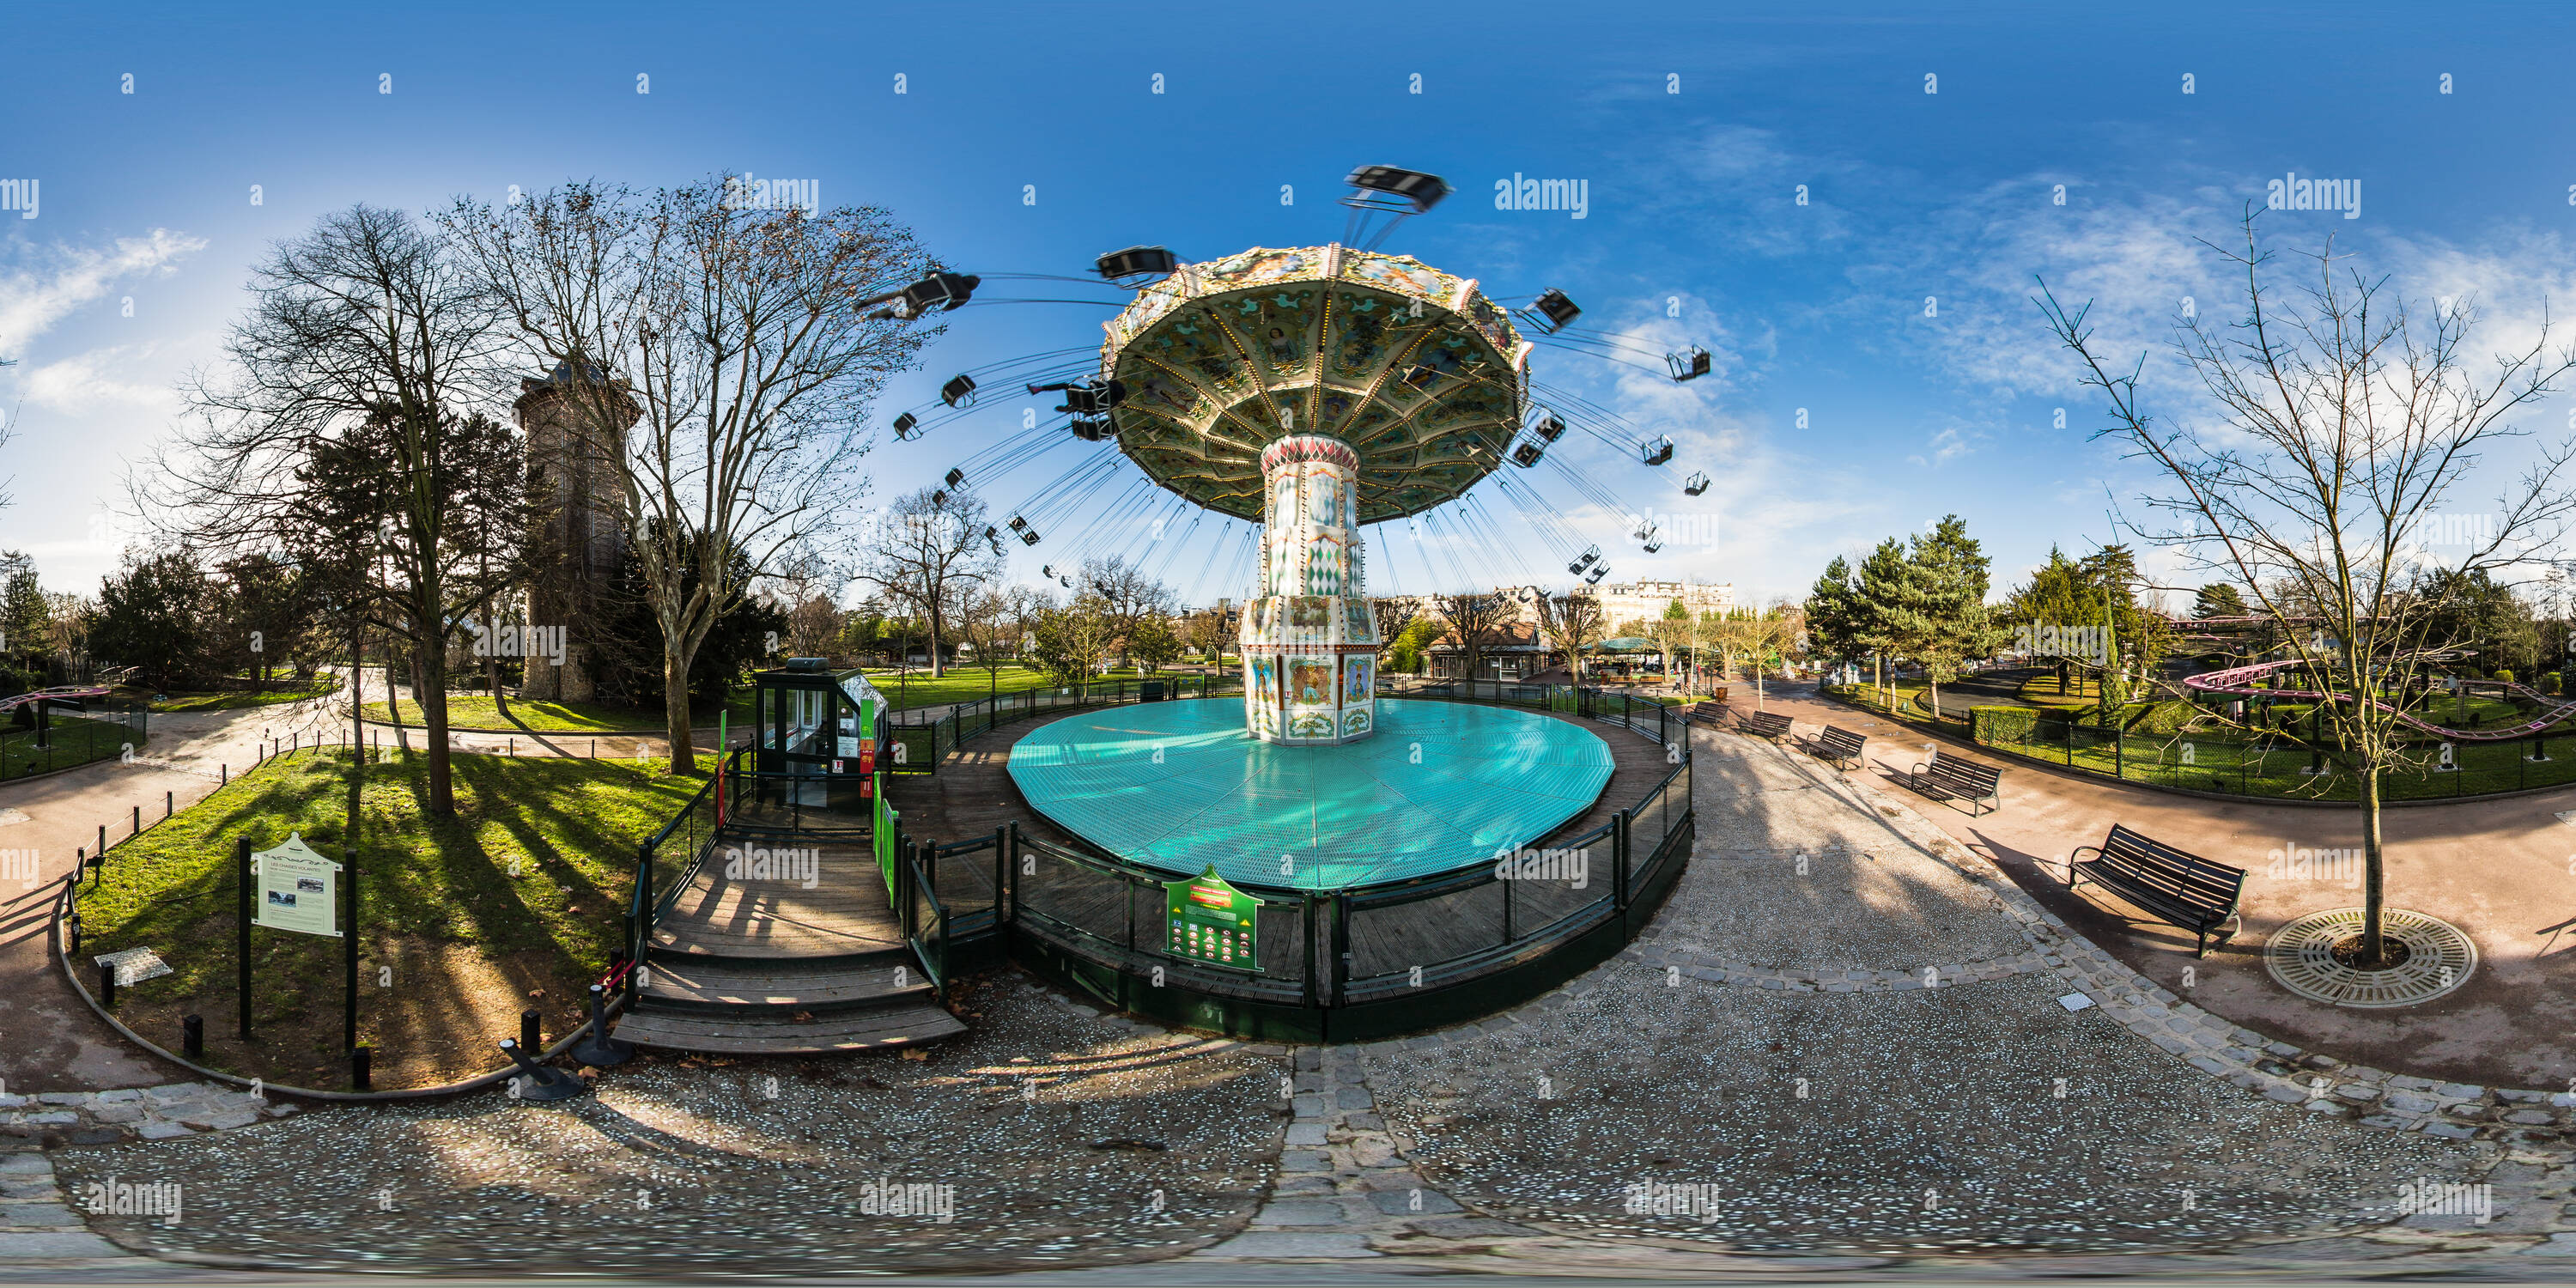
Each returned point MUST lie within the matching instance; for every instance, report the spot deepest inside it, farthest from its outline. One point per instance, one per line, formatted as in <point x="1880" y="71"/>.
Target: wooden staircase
<point x="768" y="967"/>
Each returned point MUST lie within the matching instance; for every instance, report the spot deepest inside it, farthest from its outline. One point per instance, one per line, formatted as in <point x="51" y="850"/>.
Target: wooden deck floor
<point x="973" y="793"/>
<point x="845" y="914"/>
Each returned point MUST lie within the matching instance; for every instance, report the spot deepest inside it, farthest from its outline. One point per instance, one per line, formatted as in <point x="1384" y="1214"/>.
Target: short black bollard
<point x="107" y="985"/>
<point x="138" y="820"/>
<point x="362" y="1068"/>
<point x="193" y="1040"/>
<point x="597" y="1048"/>
<point x="102" y="838"/>
<point x="169" y="802"/>
<point x="529" y="1038"/>
<point x="73" y="925"/>
<point x="537" y="1082"/>
<point x="227" y="775"/>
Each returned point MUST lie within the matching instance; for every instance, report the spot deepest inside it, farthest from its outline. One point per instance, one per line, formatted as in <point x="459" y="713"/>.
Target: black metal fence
<point x="1386" y="958"/>
<point x="71" y="738"/>
<point x="921" y="738"/>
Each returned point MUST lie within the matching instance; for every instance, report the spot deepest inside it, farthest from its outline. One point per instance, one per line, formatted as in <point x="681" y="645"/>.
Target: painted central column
<point x="1309" y="640"/>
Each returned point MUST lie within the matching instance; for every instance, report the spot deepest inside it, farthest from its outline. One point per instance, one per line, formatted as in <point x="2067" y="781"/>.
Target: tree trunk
<point x="2373" y="894"/>
<point x="393" y="701"/>
<point x="492" y="668"/>
<point x="675" y="710"/>
<point x="357" y="747"/>
<point x="935" y="632"/>
<point x="429" y="664"/>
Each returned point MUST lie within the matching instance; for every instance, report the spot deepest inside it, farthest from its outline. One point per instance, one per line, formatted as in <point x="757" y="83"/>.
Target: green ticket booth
<point x="815" y="736"/>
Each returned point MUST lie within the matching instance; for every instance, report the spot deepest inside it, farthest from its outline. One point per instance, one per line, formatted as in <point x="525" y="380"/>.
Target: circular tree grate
<point x="2439" y="958"/>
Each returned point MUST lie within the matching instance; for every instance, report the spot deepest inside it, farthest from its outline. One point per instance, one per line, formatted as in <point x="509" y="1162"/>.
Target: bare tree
<point x="1477" y="619"/>
<point x="1573" y="621"/>
<point x="1770" y="634"/>
<point x="994" y="619"/>
<point x="342" y="432"/>
<point x="1128" y="597"/>
<point x="744" y="355"/>
<point x="2344" y="423"/>
<point x="932" y="558"/>
<point x="1392" y="614"/>
<point x="1075" y="638"/>
<point x="1205" y="630"/>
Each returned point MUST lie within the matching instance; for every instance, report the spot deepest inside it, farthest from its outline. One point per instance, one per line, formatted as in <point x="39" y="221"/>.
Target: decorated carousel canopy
<point x="1413" y="368"/>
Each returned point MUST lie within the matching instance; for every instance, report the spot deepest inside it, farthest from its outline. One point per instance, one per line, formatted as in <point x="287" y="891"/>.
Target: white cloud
<point x="35" y="297"/>
<point x="83" y="383"/>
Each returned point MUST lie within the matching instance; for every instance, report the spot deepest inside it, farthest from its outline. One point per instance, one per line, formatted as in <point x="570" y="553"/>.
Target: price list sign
<point x="1211" y="922"/>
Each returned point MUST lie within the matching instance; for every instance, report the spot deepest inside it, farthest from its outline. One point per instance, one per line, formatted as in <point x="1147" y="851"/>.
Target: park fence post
<point x="241" y="852"/>
<point x="1619" y="823"/>
<point x="644" y="915"/>
<point x="597" y="1049"/>
<point x="536" y="1081"/>
<point x="530" y="1024"/>
<point x="1001" y="869"/>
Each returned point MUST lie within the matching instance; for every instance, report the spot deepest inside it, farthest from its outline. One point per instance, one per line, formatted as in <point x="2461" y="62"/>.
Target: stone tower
<point x="1309" y="640"/>
<point x="573" y="470"/>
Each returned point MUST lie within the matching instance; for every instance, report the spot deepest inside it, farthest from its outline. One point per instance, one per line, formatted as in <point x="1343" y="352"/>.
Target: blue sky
<point x="146" y="197"/>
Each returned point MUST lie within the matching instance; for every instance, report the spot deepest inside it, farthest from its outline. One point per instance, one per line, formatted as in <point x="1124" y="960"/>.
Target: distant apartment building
<point x="1648" y="599"/>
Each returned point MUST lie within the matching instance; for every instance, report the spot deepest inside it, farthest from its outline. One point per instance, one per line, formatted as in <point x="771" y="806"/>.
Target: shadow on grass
<point x="466" y="938"/>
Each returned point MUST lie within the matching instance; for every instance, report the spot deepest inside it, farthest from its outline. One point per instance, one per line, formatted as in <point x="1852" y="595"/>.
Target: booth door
<point x="801" y="732"/>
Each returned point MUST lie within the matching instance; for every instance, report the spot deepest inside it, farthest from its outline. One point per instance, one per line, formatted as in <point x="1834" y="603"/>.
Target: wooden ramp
<point x="770" y="965"/>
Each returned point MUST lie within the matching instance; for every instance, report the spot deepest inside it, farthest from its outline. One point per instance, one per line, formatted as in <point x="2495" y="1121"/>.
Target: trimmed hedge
<point x="1998" y="724"/>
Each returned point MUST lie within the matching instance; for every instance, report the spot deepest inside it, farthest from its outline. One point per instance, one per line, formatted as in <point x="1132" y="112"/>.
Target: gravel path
<point x="1847" y="1045"/>
<point x="1061" y="1138"/>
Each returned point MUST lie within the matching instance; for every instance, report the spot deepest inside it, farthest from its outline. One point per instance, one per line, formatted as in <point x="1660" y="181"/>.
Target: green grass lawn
<point x="477" y="713"/>
<point x="2242" y="767"/>
<point x="523" y="889"/>
<point x="237" y="701"/>
<point x="75" y="742"/>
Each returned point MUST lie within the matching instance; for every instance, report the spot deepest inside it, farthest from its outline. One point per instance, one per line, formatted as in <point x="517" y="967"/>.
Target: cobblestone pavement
<point x="36" y="1225"/>
<point x="1062" y="1138"/>
<point x="58" y="1118"/>
<point x="1847" y="1047"/>
<point x="1847" y="1035"/>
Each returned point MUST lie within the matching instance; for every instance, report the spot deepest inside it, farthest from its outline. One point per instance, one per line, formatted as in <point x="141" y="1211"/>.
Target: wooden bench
<point x="1711" y="713"/>
<point x="1763" y="724"/>
<point x="1952" y="777"/>
<point x="1836" y="745"/>
<point x="2178" y="889"/>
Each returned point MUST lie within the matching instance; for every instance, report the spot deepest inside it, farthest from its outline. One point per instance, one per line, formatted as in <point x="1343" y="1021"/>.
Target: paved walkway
<point x="54" y="1042"/>
<point x="1849" y="1044"/>
<point x="2502" y="870"/>
<point x="1846" y="1046"/>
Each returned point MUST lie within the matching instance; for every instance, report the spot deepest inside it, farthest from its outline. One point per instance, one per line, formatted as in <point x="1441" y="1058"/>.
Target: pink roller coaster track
<point x="2240" y="680"/>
